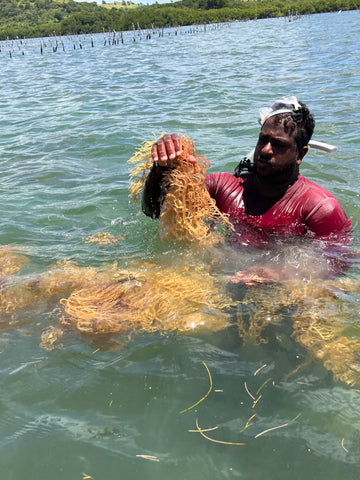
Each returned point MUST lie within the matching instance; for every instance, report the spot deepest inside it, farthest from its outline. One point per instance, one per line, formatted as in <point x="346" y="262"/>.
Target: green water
<point x="109" y="408"/>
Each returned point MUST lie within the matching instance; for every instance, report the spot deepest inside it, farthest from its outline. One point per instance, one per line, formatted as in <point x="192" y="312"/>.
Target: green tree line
<point x="39" y="18"/>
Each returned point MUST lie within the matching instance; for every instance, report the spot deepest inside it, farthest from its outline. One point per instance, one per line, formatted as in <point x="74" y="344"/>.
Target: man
<point x="273" y="199"/>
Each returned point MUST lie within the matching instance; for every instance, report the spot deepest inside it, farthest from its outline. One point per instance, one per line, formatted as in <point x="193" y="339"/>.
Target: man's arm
<point x="154" y="192"/>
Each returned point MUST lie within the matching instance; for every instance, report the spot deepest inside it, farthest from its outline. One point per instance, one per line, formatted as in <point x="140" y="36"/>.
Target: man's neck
<point x="269" y="187"/>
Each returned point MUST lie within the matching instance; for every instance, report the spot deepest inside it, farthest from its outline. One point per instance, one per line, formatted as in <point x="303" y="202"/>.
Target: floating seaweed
<point x="11" y="261"/>
<point x="30" y="290"/>
<point x="103" y="239"/>
<point x="206" y="395"/>
<point x="149" y="299"/>
<point x="222" y="442"/>
<point x="320" y="321"/>
<point x="153" y="297"/>
<point x="203" y="431"/>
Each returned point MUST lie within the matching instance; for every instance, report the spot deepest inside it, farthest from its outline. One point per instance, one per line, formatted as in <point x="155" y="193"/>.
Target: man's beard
<point x="279" y="175"/>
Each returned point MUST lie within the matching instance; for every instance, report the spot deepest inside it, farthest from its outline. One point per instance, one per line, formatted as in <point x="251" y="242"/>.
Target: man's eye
<point x="278" y="145"/>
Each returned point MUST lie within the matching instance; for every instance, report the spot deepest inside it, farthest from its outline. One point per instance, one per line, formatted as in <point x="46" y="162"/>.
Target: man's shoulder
<point x="312" y="189"/>
<point x="323" y="211"/>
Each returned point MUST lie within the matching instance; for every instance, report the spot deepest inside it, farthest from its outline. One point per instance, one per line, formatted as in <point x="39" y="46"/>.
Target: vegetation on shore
<point x="41" y="18"/>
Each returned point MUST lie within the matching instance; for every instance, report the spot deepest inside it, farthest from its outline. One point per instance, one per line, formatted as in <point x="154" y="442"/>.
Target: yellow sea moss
<point x="188" y="212"/>
<point x="10" y="262"/>
<point x="143" y="162"/>
<point x="13" y="298"/>
<point x="319" y="316"/>
<point x="11" y="295"/>
<point x="320" y="325"/>
<point x="148" y="297"/>
<point x="324" y="339"/>
<point x="103" y="239"/>
<point x="60" y="280"/>
<point x="152" y="299"/>
<point x="50" y="337"/>
<point x="64" y="277"/>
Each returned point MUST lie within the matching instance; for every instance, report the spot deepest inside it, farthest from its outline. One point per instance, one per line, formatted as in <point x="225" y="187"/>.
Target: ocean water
<point x="109" y="407"/>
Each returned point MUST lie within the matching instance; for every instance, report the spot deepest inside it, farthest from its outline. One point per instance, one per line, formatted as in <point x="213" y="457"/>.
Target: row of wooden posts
<point x="65" y="43"/>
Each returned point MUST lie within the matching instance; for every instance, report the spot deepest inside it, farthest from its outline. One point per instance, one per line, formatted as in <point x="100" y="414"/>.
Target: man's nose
<point x="267" y="149"/>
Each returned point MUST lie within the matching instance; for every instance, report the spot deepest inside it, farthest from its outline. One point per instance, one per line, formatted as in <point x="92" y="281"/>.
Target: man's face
<point x="276" y="152"/>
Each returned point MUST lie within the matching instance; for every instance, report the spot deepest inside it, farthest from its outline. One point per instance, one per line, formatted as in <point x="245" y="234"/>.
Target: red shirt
<point x="305" y="209"/>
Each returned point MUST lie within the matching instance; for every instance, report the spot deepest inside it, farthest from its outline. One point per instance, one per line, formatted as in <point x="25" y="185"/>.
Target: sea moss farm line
<point x="68" y="43"/>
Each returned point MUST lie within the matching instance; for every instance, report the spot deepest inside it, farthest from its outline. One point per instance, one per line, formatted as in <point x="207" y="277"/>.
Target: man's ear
<point x="303" y="151"/>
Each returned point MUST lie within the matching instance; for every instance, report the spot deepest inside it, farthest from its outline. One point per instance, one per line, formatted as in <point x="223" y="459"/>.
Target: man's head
<point x="295" y="115"/>
<point x="286" y="129"/>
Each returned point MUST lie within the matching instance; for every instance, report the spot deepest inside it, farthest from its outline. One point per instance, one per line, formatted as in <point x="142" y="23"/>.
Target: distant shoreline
<point x="45" y="18"/>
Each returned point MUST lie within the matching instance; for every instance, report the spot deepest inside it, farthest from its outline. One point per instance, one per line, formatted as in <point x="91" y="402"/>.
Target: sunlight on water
<point x="273" y="367"/>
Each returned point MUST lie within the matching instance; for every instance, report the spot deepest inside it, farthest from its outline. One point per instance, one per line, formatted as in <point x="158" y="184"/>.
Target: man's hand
<point x="256" y="275"/>
<point x="166" y="149"/>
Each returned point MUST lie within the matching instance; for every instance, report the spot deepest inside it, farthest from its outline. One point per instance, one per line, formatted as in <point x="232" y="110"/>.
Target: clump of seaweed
<point x="13" y="298"/>
<point x="150" y="299"/>
<point x="62" y="278"/>
<point x="29" y="290"/>
<point x="10" y="261"/>
<point x="142" y="161"/>
<point x="259" y="308"/>
<point x="320" y="325"/>
<point x="320" y="320"/>
<point x="103" y="239"/>
<point x="188" y="212"/>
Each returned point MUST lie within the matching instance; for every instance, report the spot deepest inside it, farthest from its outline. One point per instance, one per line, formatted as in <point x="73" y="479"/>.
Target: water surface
<point x="69" y="121"/>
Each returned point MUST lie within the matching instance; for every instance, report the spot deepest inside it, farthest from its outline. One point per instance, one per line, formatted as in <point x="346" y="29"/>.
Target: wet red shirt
<point x="305" y="209"/>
